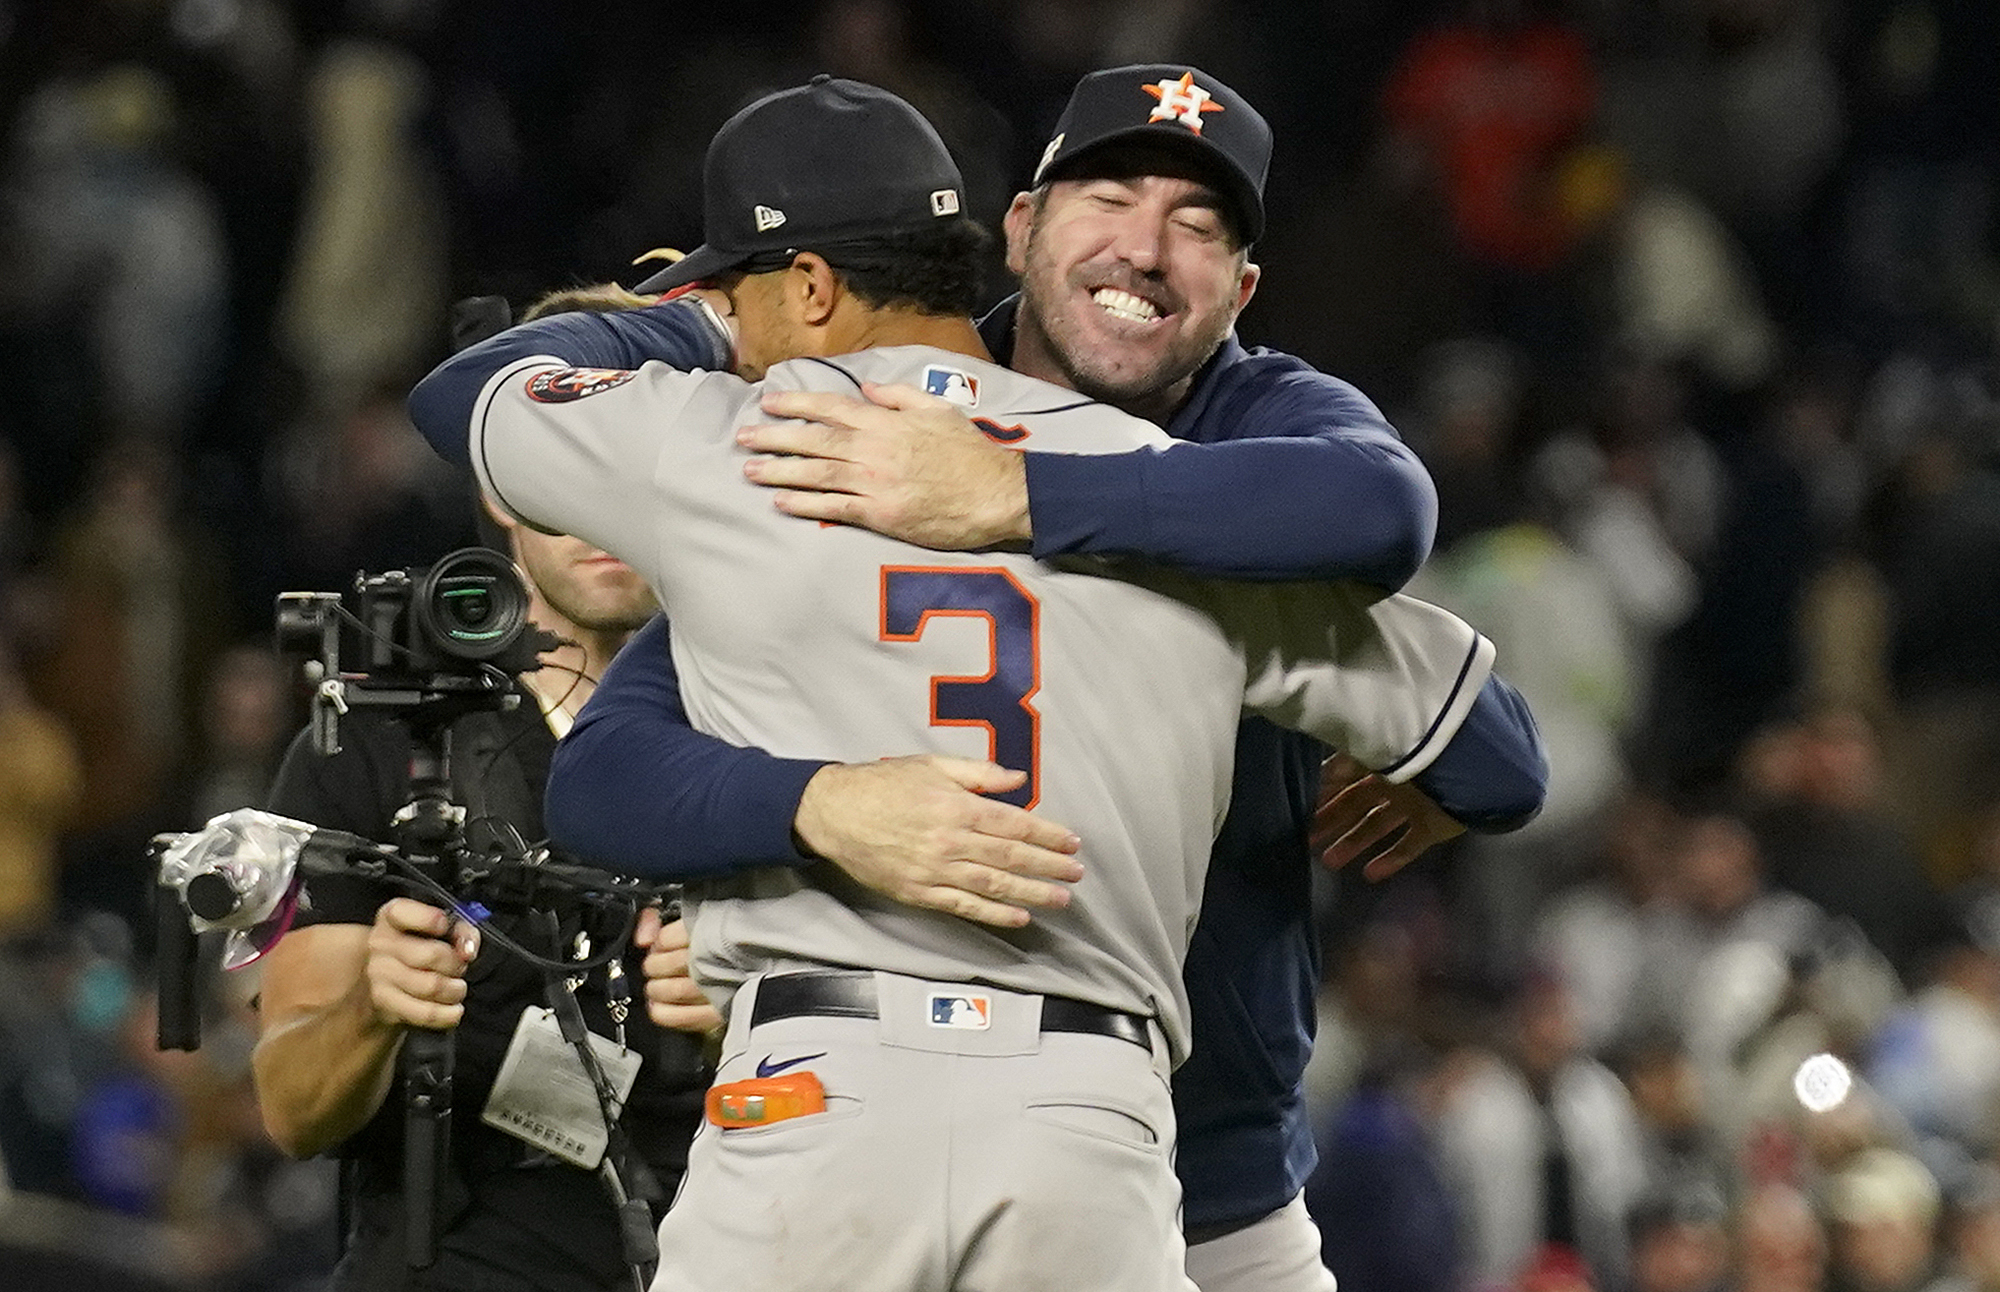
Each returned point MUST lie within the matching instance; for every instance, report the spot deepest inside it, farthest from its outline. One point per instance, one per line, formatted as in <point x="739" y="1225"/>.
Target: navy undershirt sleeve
<point x="633" y="788"/>
<point x="677" y="333"/>
<point x="1282" y="472"/>
<point x="1493" y="774"/>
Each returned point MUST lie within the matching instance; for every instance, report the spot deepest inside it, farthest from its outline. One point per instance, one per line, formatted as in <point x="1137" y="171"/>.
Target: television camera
<point x="432" y="645"/>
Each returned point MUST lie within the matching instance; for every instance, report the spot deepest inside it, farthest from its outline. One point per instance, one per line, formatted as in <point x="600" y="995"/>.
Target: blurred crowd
<point x="1692" y="307"/>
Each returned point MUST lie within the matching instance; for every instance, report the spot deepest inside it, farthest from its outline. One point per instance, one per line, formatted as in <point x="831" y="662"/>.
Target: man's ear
<point x="812" y="288"/>
<point x="1246" y="284"/>
<point x="1017" y="224"/>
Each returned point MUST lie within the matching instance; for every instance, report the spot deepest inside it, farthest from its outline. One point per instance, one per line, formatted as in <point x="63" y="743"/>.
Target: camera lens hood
<point x="471" y="604"/>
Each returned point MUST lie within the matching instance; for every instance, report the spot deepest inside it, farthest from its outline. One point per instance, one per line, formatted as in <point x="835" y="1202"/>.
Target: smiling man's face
<point x="1131" y="276"/>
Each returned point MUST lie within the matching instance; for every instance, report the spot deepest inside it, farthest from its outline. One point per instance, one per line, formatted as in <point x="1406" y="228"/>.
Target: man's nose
<point x="1138" y="240"/>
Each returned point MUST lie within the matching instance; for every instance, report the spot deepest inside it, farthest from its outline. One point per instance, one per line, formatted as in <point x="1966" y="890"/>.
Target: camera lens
<point x="467" y="605"/>
<point x="471" y="604"/>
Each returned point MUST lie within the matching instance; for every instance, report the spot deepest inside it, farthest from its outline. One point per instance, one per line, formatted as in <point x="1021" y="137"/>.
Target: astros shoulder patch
<point x="563" y="385"/>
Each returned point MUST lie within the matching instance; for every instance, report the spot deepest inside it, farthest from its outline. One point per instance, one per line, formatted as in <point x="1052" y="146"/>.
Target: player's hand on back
<point x="917" y="830"/>
<point x="417" y="958"/>
<point x="1363" y="816"/>
<point x="672" y="998"/>
<point x="901" y="462"/>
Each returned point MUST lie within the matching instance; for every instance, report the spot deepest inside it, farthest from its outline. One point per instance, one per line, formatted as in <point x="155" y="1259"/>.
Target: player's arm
<point x="634" y="788"/>
<point x="1433" y="742"/>
<point x="685" y="333"/>
<point x="1400" y="685"/>
<point x="1314" y="484"/>
<point x="1492" y="776"/>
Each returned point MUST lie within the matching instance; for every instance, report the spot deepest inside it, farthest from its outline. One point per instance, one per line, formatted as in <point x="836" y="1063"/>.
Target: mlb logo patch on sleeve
<point x="961" y="388"/>
<point x="962" y="1012"/>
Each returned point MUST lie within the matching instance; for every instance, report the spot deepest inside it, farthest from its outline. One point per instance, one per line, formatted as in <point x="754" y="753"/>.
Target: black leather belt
<point x="836" y="994"/>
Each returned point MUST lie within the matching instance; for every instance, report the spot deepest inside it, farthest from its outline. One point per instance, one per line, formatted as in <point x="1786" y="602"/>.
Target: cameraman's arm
<point x="324" y="1057"/>
<point x="334" y="1002"/>
<point x="331" y="1011"/>
<point x="672" y="998"/>
<point x="634" y="788"/>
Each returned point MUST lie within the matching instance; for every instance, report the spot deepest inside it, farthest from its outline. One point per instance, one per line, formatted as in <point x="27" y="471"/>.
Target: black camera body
<point x="439" y="640"/>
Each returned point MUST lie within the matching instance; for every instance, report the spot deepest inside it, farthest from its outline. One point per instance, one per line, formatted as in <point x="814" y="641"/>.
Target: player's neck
<point x="880" y="327"/>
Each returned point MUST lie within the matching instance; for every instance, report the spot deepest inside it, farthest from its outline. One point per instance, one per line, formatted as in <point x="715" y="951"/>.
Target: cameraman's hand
<point x="920" y="830"/>
<point x="417" y="958"/>
<point x="672" y="998"/>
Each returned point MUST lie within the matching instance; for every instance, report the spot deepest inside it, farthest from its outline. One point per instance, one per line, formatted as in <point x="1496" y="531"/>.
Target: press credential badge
<point x="545" y="1098"/>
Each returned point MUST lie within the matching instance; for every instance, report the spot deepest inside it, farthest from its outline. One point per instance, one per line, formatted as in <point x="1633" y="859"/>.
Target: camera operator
<point x="342" y="987"/>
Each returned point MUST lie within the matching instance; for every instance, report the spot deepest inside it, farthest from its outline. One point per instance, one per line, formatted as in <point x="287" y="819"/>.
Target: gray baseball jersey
<point x="1120" y="696"/>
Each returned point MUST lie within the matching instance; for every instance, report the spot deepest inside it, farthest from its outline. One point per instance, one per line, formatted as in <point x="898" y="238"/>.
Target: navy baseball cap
<point x="825" y="162"/>
<point x="1175" y="105"/>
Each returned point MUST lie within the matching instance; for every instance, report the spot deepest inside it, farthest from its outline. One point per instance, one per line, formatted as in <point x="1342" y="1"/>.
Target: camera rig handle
<point x="176" y="952"/>
<point x="426" y="1067"/>
<point x="429" y="831"/>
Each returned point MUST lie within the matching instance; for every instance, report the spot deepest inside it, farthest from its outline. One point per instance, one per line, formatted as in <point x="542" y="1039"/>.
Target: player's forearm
<point x="1493" y="774"/>
<point x="679" y="333"/>
<point x="1385" y="679"/>
<point x="1266" y="508"/>
<point x="641" y="796"/>
<point x="635" y="788"/>
<point x="321" y="1073"/>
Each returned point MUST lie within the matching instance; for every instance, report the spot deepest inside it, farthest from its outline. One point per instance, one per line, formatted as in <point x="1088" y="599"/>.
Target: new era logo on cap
<point x="766" y="218"/>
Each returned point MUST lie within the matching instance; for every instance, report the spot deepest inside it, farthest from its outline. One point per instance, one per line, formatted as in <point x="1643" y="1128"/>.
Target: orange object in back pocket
<point x="762" y="1101"/>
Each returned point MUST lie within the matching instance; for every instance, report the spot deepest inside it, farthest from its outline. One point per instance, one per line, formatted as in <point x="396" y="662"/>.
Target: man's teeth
<point x="1125" y="305"/>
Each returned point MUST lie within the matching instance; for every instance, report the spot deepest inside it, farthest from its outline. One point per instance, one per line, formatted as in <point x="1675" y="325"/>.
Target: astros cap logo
<point x="1181" y="101"/>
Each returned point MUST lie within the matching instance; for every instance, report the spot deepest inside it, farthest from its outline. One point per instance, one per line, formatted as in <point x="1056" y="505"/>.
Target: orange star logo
<point x="1181" y="101"/>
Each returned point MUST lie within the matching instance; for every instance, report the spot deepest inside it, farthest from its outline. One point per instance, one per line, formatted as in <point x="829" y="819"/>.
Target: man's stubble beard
<point x="630" y="615"/>
<point x="564" y="592"/>
<point x="1155" y="392"/>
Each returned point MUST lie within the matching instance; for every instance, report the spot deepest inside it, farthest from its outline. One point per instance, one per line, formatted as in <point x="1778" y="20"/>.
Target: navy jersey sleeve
<point x="678" y="333"/>
<point x="1493" y="774"/>
<point x="1285" y="473"/>
<point x="633" y="788"/>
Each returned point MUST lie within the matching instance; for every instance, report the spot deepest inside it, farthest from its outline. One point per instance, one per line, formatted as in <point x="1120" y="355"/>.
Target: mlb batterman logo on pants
<point x="966" y="1013"/>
